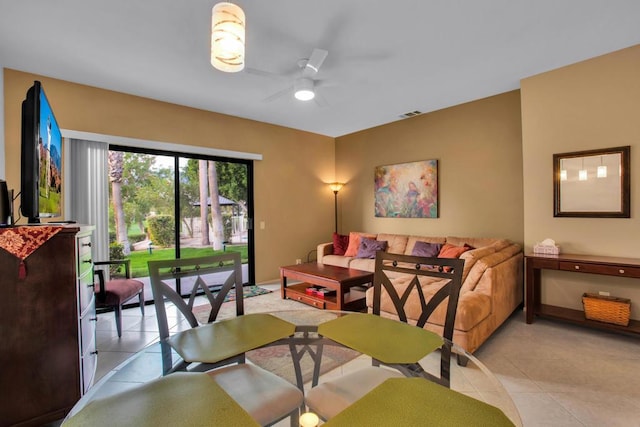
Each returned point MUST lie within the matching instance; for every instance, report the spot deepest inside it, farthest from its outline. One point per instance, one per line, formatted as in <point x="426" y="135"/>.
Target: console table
<point x="609" y="266"/>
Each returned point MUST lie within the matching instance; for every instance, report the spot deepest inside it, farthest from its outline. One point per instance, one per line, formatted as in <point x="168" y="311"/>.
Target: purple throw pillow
<point x="426" y="249"/>
<point x="369" y="247"/>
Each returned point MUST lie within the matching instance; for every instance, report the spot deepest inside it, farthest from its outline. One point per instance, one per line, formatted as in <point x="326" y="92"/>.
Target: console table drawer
<point x="609" y="270"/>
<point x="551" y="264"/>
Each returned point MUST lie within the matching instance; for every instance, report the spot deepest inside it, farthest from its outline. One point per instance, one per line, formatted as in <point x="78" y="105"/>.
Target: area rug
<point x="247" y="291"/>
<point x="277" y="359"/>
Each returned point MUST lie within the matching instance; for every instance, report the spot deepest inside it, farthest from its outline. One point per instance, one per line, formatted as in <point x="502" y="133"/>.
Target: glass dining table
<point x="471" y="395"/>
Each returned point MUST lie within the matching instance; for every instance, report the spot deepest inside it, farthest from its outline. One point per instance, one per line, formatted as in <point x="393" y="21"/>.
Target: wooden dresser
<point x="47" y="329"/>
<point x="591" y="264"/>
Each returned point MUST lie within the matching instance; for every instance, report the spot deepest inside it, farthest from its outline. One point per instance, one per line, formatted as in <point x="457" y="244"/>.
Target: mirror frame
<point x="624" y="188"/>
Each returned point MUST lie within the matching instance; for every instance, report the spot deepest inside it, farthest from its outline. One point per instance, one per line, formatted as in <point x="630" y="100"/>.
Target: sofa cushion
<point x="397" y="243"/>
<point x="340" y="243"/>
<point x="364" y="264"/>
<point x="413" y="239"/>
<point x="354" y="242"/>
<point x="426" y="249"/>
<point x="487" y="261"/>
<point x="369" y="247"/>
<point x="337" y="260"/>
<point x="476" y="242"/>
<point x="472" y="256"/>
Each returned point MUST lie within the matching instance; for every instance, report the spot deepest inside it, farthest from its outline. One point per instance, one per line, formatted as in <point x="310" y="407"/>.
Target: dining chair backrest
<point x="434" y="280"/>
<point x="398" y="281"/>
<point x="223" y="272"/>
<point x="412" y="272"/>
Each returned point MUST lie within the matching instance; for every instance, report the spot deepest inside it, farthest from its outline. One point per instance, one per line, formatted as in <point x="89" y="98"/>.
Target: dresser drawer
<point x="86" y="290"/>
<point x="88" y="327"/>
<point x="609" y="270"/>
<point x="85" y="262"/>
<point x="89" y="362"/>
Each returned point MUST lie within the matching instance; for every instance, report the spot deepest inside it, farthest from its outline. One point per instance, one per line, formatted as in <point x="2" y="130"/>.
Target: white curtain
<point x="87" y="178"/>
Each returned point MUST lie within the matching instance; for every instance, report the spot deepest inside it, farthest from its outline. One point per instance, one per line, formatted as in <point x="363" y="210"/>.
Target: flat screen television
<point x="41" y="158"/>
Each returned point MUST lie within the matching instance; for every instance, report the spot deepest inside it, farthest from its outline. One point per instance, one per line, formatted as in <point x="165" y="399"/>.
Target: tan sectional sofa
<point x="491" y="289"/>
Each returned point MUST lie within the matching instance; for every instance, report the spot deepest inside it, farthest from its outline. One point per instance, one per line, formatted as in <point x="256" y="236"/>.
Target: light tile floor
<point x="557" y="374"/>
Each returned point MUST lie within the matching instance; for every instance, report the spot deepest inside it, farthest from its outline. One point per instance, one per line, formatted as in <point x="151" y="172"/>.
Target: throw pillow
<point x="354" y="242"/>
<point x="340" y="243"/>
<point x="426" y="249"/>
<point x="369" y="247"/>
<point x="450" y="251"/>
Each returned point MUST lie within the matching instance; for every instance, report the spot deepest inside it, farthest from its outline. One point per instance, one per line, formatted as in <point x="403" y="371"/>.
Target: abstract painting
<point x="407" y="190"/>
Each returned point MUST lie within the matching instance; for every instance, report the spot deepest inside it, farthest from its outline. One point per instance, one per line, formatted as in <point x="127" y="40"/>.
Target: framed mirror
<point x="592" y="184"/>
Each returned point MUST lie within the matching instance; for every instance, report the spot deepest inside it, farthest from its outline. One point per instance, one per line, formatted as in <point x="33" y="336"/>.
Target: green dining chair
<point x="395" y="278"/>
<point x="201" y="345"/>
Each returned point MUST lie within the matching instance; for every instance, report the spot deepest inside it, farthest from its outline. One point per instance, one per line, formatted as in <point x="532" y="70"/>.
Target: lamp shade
<point x="336" y="186"/>
<point x="227" y="37"/>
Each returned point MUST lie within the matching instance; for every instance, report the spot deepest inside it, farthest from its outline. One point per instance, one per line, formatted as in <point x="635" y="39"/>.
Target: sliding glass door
<point x="165" y="205"/>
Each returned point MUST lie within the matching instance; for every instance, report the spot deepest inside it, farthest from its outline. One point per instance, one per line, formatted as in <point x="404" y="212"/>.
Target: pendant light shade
<point x="227" y="37"/>
<point x="601" y="172"/>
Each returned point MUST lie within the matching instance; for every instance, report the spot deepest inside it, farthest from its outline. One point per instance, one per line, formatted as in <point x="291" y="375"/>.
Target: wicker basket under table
<point x="607" y="309"/>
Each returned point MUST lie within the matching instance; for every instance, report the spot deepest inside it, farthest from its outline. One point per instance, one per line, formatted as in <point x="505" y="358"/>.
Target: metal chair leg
<point x="118" y="310"/>
<point x="141" y="297"/>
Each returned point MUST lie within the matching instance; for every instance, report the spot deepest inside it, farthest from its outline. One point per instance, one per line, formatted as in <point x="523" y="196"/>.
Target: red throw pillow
<point x="340" y="243"/>
<point x="450" y="251"/>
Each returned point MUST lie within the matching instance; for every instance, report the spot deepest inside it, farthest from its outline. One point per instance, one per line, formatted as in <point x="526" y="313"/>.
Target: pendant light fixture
<point x="602" y="170"/>
<point x="582" y="173"/>
<point x="227" y="37"/>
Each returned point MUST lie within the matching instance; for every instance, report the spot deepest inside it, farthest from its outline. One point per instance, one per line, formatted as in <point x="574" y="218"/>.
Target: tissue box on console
<point x="546" y="249"/>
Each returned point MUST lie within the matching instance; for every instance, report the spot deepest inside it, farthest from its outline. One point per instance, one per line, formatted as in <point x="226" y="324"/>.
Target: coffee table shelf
<point x="341" y="279"/>
<point x="353" y="300"/>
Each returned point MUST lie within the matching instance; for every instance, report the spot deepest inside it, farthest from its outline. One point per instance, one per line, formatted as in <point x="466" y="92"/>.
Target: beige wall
<point x="479" y="149"/>
<point x="290" y="195"/>
<point x="589" y="105"/>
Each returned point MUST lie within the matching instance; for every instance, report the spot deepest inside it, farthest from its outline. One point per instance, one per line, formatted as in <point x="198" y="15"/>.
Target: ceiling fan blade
<point x="320" y="100"/>
<point x="278" y="94"/>
<point x="263" y="73"/>
<point x="315" y="62"/>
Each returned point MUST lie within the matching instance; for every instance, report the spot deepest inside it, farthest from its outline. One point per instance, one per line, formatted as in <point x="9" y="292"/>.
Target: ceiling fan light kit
<point x="303" y="89"/>
<point x="227" y="37"/>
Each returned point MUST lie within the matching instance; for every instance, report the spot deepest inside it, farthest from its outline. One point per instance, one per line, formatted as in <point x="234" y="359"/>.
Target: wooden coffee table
<point x="341" y="279"/>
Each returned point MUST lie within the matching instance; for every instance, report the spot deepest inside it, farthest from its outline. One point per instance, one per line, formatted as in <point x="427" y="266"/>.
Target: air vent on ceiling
<point x="410" y="114"/>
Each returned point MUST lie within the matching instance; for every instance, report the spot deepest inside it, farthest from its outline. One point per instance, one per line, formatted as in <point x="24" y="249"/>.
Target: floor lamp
<point x="336" y="186"/>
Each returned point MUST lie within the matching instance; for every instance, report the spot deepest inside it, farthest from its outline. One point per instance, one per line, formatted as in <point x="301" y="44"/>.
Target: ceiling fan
<point x="304" y="87"/>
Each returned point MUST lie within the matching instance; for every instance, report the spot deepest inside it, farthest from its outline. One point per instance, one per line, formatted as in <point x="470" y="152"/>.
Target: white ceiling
<point x="385" y="58"/>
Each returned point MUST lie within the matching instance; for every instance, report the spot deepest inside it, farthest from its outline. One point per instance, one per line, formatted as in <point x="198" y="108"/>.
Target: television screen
<point x="41" y="162"/>
<point x="50" y="169"/>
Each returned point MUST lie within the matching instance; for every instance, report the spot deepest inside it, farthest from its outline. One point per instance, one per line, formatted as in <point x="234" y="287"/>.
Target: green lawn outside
<point x="139" y="258"/>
